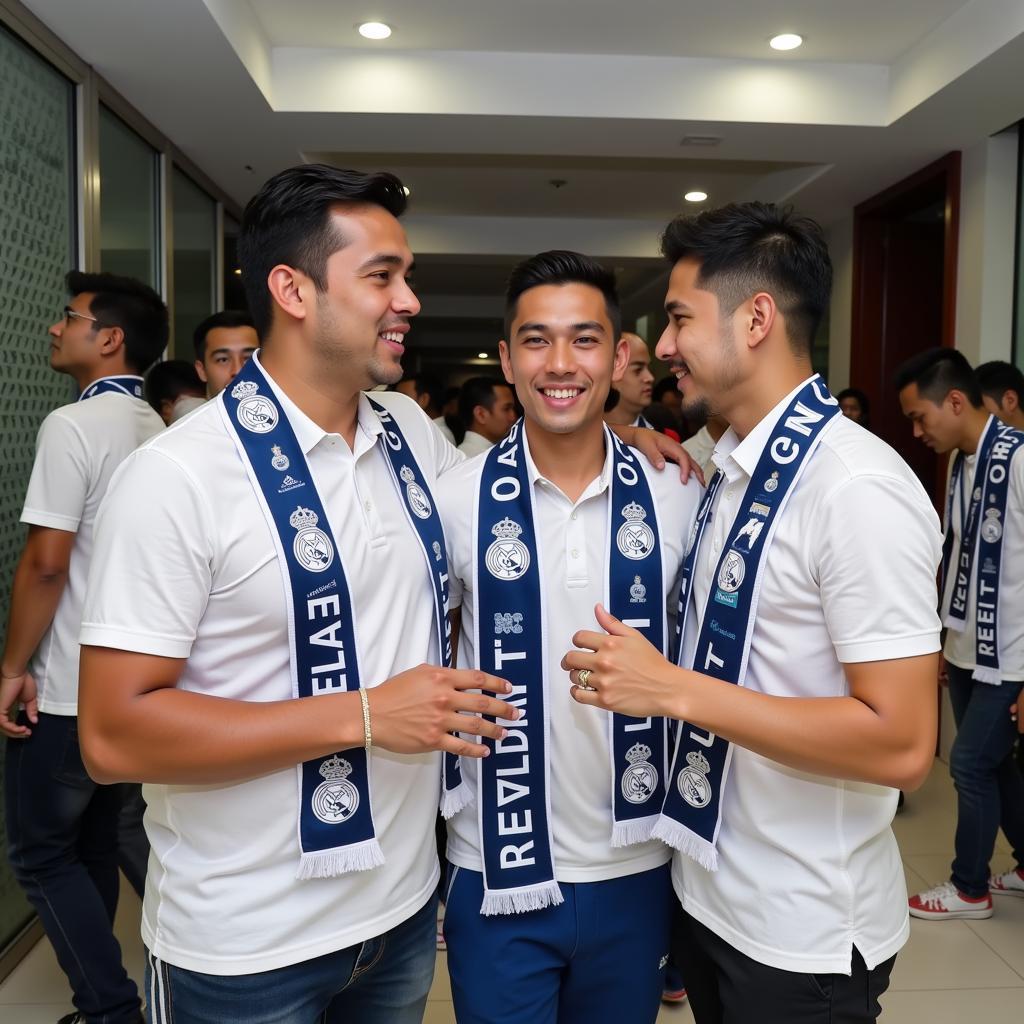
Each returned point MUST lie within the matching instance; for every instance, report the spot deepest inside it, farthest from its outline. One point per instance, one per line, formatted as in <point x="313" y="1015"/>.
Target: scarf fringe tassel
<point x="987" y="675"/>
<point x="521" y="901"/>
<point x="680" y="838"/>
<point x="454" y="800"/>
<point x="339" y="861"/>
<point x="626" y="833"/>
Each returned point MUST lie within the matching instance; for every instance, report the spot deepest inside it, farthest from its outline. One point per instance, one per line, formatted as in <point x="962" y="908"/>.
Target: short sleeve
<point x="879" y="549"/>
<point x="151" y="571"/>
<point x="60" y="480"/>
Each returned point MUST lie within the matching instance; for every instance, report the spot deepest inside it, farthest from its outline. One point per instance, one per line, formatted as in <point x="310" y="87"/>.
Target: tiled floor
<point x="958" y="972"/>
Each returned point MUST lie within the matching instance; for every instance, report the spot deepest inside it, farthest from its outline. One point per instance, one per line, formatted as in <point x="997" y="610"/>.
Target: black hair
<point x="288" y="221"/>
<point x="744" y="248"/>
<point x="861" y="399"/>
<point x="427" y="384"/>
<point x="131" y="305"/>
<point x="478" y="391"/>
<point x="168" y="380"/>
<point x="670" y="383"/>
<point x="560" y="266"/>
<point x="996" y="378"/>
<point x="936" y="372"/>
<point x="225" y="318"/>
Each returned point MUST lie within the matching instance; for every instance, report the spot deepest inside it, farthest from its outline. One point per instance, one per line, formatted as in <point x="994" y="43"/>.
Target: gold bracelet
<point x="367" y="731"/>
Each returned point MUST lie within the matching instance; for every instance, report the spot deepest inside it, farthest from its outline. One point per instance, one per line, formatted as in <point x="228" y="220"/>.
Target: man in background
<point x="62" y="828"/>
<point x="427" y="393"/>
<point x="223" y="344"/>
<point x="635" y="388"/>
<point x="173" y="388"/>
<point x="1002" y="391"/>
<point x="487" y="410"/>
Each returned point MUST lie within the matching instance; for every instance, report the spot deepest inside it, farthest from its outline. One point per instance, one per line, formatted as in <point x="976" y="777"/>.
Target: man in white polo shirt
<point x="983" y="611"/>
<point x="810" y="584"/>
<point x="556" y="885"/>
<point x="274" y="581"/>
<point x="63" y="828"/>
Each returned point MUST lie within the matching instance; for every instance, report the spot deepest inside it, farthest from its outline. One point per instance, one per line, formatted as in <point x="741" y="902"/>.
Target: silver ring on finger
<point x="583" y="679"/>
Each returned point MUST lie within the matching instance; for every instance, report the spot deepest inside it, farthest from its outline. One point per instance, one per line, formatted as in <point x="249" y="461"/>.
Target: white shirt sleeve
<point x="878" y="553"/>
<point x="61" y="476"/>
<point x="152" y="566"/>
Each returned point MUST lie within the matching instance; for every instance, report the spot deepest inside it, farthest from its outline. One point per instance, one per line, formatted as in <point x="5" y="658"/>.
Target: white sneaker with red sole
<point x="946" y="903"/>
<point x="1010" y="883"/>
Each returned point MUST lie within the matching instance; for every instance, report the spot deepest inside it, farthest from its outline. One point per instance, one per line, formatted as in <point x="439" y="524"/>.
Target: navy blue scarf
<point x="511" y="641"/>
<point x="127" y="384"/>
<point x="336" y="829"/>
<point x="692" y="814"/>
<point x="981" y="536"/>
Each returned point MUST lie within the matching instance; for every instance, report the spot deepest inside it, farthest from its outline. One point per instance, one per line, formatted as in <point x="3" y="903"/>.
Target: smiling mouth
<point x="560" y="397"/>
<point x="395" y="340"/>
<point x="681" y="371"/>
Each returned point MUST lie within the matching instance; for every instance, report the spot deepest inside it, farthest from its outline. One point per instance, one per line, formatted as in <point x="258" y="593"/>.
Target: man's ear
<point x="201" y="370"/>
<point x="506" y="363"/>
<point x="761" y="314"/>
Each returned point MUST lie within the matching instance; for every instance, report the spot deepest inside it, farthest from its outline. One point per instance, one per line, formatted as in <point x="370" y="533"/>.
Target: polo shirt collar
<point x="596" y="486"/>
<point x="308" y="434"/>
<point x="736" y="458"/>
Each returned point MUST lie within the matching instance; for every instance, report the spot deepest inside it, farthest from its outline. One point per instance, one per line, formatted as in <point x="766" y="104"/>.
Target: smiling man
<point x="273" y="586"/>
<point x="805" y="686"/>
<point x="556" y="886"/>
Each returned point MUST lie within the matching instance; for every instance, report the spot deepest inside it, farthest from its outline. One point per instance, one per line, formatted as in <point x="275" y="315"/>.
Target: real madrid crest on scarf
<point x="980" y="552"/>
<point x="512" y="642"/>
<point x="692" y="813"/>
<point x="335" y="827"/>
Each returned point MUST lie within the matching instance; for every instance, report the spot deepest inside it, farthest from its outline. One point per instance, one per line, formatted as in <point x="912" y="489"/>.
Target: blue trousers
<point x="597" y="958"/>
<point x="384" y="980"/>
<point x="62" y="833"/>
<point x="989" y="786"/>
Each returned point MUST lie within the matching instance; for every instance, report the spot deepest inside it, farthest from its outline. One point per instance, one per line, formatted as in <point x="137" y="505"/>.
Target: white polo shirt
<point x="190" y="571"/>
<point x="959" y="648"/>
<point x="474" y="443"/>
<point x="573" y="541"/>
<point x="808" y="865"/>
<point x="77" y="450"/>
<point x="700" y="448"/>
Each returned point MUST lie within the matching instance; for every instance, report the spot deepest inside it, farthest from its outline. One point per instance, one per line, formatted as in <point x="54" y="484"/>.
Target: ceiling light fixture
<point x="786" y="41"/>
<point x="696" y="196"/>
<point x="374" y="30"/>
<point x="481" y="355"/>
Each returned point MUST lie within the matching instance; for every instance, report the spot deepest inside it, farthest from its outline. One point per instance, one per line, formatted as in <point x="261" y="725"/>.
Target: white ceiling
<point x="834" y="30"/>
<point x="479" y="104"/>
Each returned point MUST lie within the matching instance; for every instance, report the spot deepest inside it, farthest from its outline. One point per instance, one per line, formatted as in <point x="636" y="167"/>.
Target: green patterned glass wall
<point x="194" y="235"/>
<point x="129" y="202"/>
<point x="37" y="244"/>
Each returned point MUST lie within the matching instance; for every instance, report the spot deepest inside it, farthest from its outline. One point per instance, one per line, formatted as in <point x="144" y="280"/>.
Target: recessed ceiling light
<point x="786" y="41"/>
<point x="238" y="271"/>
<point x="374" y="30"/>
<point x="481" y="355"/>
<point x="696" y="196"/>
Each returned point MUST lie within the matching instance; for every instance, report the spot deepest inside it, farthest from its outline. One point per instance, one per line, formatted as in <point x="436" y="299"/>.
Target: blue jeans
<point x="384" y="980"/>
<point x="62" y="843"/>
<point x="596" y="958"/>
<point x="989" y="786"/>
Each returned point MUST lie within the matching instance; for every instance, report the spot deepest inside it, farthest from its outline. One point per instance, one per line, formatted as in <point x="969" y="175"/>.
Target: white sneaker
<point x="945" y="902"/>
<point x="1010" y="883"/>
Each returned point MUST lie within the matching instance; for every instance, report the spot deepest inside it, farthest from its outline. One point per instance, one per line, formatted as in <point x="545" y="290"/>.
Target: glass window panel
<point x="195" y="259"/>
<point x="129" y="202"/>
<point x="37" y="245"/>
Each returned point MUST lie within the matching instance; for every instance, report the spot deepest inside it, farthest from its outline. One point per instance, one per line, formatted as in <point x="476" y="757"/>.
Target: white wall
<point x="984" y="296"/>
